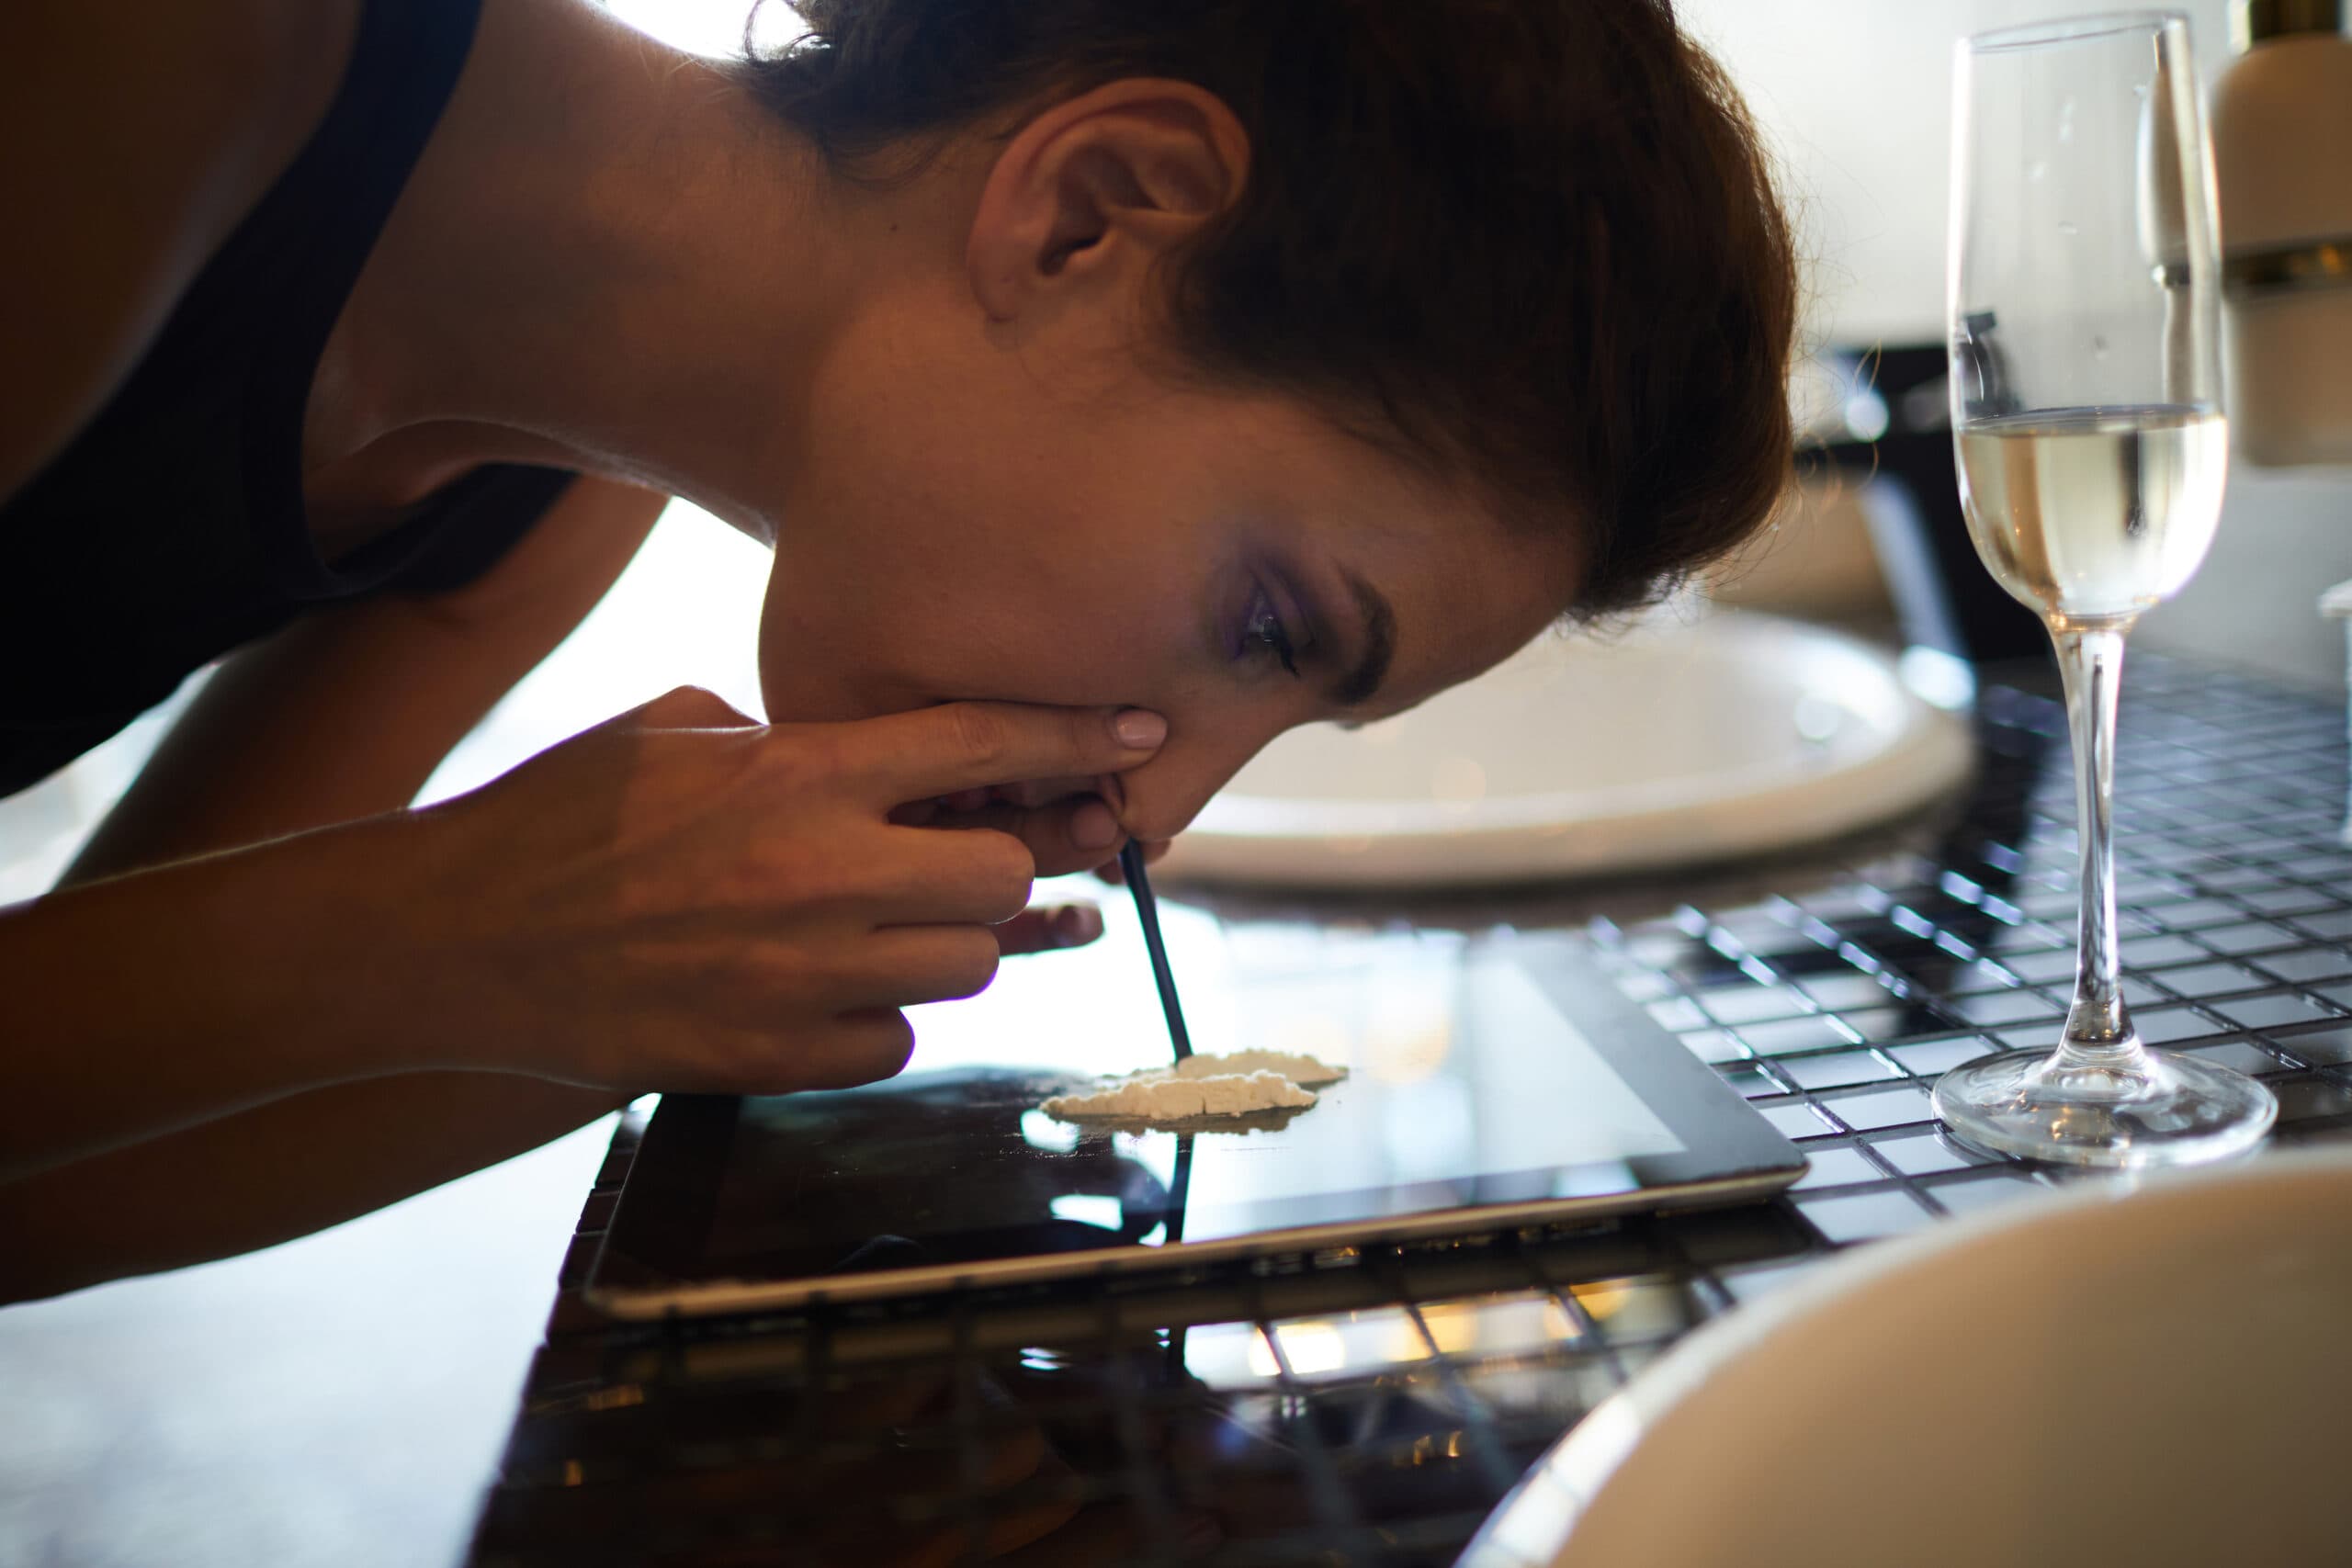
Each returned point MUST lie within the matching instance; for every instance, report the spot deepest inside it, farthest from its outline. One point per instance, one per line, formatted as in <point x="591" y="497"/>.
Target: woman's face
<point x="990" y="493"/>
<point x="1232" y="563"/>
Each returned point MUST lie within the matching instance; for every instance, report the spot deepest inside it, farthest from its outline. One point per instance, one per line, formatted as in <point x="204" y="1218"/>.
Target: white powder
<point x="1230" y="1085"/>
<point x="1168" y="1098"/>
<point x="1303" y="1070"/>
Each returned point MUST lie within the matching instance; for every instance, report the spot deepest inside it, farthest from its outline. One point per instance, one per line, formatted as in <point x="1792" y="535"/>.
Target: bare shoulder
<point x="133" y="136"/>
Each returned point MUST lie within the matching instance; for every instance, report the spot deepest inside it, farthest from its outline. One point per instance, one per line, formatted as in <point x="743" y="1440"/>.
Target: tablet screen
<point x="1484" y="1071"/>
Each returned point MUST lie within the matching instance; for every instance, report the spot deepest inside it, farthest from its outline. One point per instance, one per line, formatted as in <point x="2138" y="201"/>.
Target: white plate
<point x="2153" y="1382"/>
<point x="1671" y="745"/>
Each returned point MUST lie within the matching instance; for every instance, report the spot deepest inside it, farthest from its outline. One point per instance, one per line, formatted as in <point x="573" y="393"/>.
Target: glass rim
<point x="2072" y="30"/>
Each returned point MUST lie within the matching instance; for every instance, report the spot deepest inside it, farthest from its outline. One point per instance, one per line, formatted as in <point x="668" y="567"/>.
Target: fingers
<point x="898" y="967"/>
<point x="924" y="877"/>
<point x="862" y="1046"/>
<point x="1026" y="792"/>
<point x="1068" y="835"/>
<point x="962" y="746"/>
<point x="906" y="966"/>
<point x="1047" y="929"/>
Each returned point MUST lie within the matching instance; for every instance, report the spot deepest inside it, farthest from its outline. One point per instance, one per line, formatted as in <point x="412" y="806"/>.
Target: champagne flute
<point x="2085" y="381"/>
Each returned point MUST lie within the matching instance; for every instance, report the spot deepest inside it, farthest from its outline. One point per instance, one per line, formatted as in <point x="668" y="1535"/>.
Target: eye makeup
<point x="1263" y="629"/>
<point x="1272" y="622"/>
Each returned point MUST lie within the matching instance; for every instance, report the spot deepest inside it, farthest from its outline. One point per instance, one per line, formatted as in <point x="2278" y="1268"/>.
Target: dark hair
<point x="1534" y="244"/>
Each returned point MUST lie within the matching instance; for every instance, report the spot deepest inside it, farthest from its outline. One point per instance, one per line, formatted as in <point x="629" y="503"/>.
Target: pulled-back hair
<point x="1533" y="244"/>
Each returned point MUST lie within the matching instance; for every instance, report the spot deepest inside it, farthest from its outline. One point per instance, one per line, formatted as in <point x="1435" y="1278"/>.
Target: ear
<point x="1094" y="189"/>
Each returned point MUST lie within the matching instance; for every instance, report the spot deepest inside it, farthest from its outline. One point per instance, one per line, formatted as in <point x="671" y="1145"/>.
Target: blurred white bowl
<point x="2152" y="1380"/>
<point x="1673" y="745"/>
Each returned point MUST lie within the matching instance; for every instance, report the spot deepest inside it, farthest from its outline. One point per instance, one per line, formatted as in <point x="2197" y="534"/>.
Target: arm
<point x="341" y="716"/>
<point x="267" y="1175"/>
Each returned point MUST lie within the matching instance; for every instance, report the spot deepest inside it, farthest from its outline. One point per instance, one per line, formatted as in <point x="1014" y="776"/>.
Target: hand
<point x="1047" y="928"/>
<point x="682" y="899"/>
<point x="1014" y="809"/>
<point x="1073" y="823"/>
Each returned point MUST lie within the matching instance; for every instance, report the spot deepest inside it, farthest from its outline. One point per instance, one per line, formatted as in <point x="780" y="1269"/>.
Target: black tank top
<point x="172" y="530"/>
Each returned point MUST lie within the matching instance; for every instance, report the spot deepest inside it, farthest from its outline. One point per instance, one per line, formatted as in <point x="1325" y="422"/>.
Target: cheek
<point x="1011" y="577"/>
<point x="804" y="676"/>
<point x="846" y="635"/>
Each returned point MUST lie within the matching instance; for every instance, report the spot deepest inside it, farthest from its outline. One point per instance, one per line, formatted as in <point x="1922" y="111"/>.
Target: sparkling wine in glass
<point x="2085" y="389"/>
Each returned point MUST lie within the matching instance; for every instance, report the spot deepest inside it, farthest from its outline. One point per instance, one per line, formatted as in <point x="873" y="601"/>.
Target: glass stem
<point x="2099" y="1026"/>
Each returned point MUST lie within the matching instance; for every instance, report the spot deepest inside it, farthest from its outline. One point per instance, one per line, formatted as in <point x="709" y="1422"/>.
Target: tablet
<point x="1492" y="1082"/>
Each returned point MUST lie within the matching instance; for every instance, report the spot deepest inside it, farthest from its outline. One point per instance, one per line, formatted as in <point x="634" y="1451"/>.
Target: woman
<point x="1118" y="385"/>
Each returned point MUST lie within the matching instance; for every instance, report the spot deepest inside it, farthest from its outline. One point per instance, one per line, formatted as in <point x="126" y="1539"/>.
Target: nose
<point x="1164" y="794"/>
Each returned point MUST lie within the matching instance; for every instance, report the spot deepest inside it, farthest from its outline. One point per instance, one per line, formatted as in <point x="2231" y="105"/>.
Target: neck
<point x="609" y="258"/>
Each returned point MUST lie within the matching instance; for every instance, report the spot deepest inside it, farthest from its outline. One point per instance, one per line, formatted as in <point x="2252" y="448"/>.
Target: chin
<point x="790" y="696"/>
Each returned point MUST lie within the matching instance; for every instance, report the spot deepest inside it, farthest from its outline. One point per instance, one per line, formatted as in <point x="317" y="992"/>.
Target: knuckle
<point x="821" y="884"/>
<point x="688" y="704"/>
<point x="981" y="733"/>
<point x="1088" y="732"/>
<point x="805" y="760"/>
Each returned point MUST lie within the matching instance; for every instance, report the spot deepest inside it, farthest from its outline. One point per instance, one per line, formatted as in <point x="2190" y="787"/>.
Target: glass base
<point x="2161" y="1109"/>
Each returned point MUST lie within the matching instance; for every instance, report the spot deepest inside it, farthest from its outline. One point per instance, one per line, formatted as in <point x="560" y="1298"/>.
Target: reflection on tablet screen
<point x="1468" y="1085"/>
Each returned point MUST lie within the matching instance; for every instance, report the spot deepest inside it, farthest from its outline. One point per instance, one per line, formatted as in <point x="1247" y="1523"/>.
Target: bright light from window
<point x="706" y="27"/>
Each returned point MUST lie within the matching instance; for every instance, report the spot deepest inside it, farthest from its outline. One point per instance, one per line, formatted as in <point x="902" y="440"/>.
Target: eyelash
<point x="1263" y="627"/>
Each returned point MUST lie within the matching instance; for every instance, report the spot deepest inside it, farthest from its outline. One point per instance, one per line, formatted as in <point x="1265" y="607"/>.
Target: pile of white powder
<point x="1233" y="1084"/>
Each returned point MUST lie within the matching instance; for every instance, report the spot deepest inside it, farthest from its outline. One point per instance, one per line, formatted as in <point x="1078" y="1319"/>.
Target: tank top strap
<point x="310" y="237"/>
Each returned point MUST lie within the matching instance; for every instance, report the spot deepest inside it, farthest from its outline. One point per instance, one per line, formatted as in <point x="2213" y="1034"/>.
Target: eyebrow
<point x="1360" y="684"/>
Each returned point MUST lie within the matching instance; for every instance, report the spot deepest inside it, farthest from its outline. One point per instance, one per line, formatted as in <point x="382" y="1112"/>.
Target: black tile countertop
<point x="1370" y="1406"/>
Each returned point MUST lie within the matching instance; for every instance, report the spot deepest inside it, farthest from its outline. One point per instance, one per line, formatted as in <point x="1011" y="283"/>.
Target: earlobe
<point x="1112" y="176"/>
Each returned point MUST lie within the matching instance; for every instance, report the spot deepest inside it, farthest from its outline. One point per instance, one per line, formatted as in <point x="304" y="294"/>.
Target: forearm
<point x="272" y="1173"/>
<point x="296" y="733"/>
<point x="143" y="1004"/>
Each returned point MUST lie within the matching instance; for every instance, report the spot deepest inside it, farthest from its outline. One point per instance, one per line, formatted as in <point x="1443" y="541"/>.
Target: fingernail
<point x="1139" y="728"/>
<point x="1092" y="827"/>
<point x="1078" y="925"/>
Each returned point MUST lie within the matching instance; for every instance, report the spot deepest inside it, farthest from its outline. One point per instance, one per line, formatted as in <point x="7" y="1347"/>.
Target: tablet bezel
<point x="1729" y="1154"/>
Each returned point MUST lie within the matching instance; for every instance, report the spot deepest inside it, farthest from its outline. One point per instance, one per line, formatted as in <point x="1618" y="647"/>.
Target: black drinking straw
<point x="1131" y="862"/>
